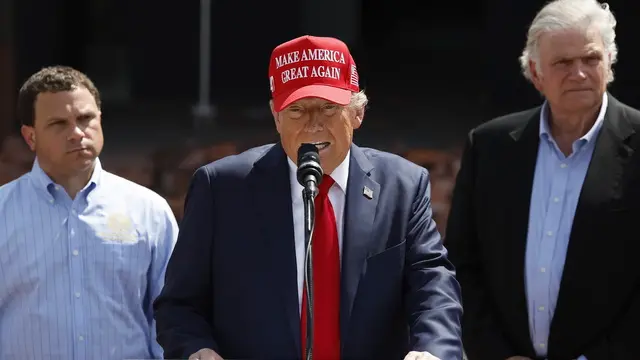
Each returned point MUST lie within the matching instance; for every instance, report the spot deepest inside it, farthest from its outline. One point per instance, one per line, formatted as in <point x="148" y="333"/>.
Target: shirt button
<point x="540" y="308"/>
<point x="542" y="345"/>
<point x="72" y="232"/>
<point x="75" y="252"/>
<point x="74" y="212"/>
<point x="556" y="199"/>
<point x="563" y="165"/>
<point x="543" y="270"/>
<point x="57" y="187"/>
<point x="51" y="201"/>
<point x="549" y="233"/>
<point x="77" y="294"/>
<point x="81" y="338"/>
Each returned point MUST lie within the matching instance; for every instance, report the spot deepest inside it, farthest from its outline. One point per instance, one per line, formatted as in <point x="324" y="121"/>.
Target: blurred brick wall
<point x="168" y="171"/>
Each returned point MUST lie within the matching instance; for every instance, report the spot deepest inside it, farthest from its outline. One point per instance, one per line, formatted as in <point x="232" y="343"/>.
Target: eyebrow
<point x="86" y="113"/>
<point x="589" y="53"/>
<point x="53" y="119"/>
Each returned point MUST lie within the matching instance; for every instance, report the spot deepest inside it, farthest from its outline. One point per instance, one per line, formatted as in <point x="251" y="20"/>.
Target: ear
<point x="275" y="116"/>
<point x="357" y="116"/>
<point x="29" y="136"/>
<point x="536" y="76"/>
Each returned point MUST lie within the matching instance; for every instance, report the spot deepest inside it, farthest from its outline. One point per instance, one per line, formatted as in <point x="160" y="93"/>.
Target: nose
<point x="315" y="123"/>
<point x="578" y="70"/>
<point x="76" y="133"/>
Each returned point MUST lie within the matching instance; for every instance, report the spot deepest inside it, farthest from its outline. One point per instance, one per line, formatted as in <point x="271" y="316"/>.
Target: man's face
<point x="574" y="69"/>
<point x="327" y="125"/>
<point x="67" y="132"/>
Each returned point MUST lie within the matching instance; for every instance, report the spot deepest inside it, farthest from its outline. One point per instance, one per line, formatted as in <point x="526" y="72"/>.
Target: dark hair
<point x="50" y="79"/>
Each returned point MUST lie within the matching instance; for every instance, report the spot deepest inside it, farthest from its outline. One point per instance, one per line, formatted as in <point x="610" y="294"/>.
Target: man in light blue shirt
<point x="557" y="181"/>
<point x="543" y="224"/>
<point x="82" y="251"/>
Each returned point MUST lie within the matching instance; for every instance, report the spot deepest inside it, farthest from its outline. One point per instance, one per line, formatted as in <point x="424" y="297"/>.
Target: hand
<point x="205" y="354"/>
<point x="416" y="355"/>
<point x="518" y="358"/>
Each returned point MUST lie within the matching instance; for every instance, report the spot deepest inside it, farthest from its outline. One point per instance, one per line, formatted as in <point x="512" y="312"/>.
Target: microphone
<point x="309" y="172"/>
<point x="309" y="175"/>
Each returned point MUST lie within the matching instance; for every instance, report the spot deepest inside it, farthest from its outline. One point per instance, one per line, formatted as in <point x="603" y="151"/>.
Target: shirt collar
<point x="545" y="132"/>
<point x="42" y="181"/>
<point x="340" y="175"/>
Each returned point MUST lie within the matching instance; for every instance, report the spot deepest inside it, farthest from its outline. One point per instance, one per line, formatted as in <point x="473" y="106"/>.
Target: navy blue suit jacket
<point x="231" y="281"/>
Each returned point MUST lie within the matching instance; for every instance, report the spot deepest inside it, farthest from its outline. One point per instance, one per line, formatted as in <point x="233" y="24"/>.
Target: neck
<point x="566" y="128"/>
<point x="74" y="182"/>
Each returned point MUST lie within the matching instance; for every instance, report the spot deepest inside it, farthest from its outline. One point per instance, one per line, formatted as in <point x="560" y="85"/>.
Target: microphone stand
<point x="308" y="196"/>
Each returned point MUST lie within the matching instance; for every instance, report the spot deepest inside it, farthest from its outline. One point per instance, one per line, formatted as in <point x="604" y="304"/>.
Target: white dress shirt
<point x="337" y="194"/>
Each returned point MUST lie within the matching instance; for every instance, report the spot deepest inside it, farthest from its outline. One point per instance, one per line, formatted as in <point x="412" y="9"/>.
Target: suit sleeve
<point x="432" y="293"/>
<point x="183" y="309"/>
<point x="483" y="338"/>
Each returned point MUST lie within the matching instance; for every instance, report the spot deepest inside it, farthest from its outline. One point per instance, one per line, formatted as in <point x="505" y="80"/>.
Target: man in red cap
<point x="382" y="285"/>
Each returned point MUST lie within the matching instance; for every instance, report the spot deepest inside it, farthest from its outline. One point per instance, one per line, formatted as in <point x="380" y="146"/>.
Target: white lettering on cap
<point x="327" y="72"/>
<point x="319" y="71"/>
<point x="310" y="55"/>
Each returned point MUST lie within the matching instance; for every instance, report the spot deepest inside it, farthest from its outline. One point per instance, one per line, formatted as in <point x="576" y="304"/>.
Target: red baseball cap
<point x="311" y="66"/>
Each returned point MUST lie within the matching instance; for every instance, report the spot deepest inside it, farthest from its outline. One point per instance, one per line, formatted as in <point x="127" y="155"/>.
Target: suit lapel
<point x="519" y="183"/>
<point x="360" y="211"/>
<point x="601" y="187"/>
<point x="271" y="191"/>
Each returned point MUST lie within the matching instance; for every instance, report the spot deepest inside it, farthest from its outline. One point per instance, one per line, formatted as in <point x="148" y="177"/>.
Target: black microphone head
<point x="308" y="152"/>
<point x="308" y="164"/>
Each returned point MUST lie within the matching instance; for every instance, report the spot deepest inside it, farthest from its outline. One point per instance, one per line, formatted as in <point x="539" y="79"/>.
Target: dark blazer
<point x="598" y="309"/>
<point x="231" y="282"/>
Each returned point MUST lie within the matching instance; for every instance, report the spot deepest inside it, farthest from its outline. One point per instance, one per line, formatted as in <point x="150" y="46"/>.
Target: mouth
<point x="321" y="145"/>
<point x="78" y="150"/>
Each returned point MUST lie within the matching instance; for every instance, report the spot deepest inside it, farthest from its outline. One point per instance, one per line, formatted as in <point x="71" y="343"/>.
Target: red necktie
<point x="326" y="281"/>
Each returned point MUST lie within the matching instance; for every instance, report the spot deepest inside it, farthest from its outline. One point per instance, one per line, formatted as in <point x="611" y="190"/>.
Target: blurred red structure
<point x="15" y="159"/>
<point x="443" y="167"/>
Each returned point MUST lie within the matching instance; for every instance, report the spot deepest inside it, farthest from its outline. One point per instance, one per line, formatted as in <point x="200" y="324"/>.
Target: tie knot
<point x="325" y="185"/>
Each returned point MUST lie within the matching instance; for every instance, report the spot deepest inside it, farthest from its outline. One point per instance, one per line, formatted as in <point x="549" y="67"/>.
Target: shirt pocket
<point x="119" y="259"/>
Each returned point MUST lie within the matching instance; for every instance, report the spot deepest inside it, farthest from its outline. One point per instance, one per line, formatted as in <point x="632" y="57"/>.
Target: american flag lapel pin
<point x="368" y="193"/>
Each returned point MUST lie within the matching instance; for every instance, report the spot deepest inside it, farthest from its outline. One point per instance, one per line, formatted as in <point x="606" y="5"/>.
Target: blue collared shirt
<point x="556" y="188"/>
<point x="78" y="276"/>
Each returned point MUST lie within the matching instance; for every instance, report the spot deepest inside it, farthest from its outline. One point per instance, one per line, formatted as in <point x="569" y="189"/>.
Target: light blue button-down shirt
<point x="556" y="188"/>
<point x="78" y="277"/>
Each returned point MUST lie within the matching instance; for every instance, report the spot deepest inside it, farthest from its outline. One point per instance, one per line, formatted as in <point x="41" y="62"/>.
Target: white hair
<point x="571" y="15"/>
<point x="358" y="100"/>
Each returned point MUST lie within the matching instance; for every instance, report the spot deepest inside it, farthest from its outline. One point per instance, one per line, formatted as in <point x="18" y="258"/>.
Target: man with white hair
<point x="542" y="229"/>
<point x="382" y="285"/>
